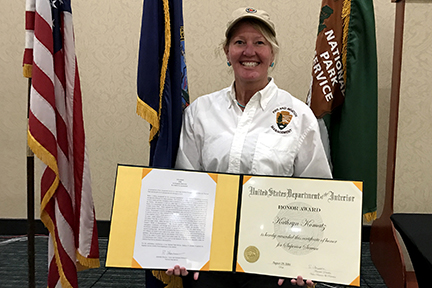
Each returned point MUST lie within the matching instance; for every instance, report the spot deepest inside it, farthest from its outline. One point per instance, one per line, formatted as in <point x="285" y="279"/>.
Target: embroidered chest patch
<point x="283" y="117"/>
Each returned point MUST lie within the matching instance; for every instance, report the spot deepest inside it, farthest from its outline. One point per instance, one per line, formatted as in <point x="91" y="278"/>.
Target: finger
<point x="294" y="281"/>
<point x="300" y="281"/>
<point x="170" y="272"/>
<point x="177" y="270"/>
<point x="309" y="283"/>
<point x="281" y="281"/>
<point x="183" y="271"/>
<point x="196" y="275"/>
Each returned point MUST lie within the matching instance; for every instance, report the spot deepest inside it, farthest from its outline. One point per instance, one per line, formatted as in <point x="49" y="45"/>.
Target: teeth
<point x="250" y="64"/>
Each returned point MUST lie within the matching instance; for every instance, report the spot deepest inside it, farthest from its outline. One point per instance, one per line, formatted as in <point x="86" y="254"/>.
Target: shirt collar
<point x="263" y="95"/>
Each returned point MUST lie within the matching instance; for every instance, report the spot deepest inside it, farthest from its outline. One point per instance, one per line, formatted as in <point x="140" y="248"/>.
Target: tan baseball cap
<point x="249" y="12"/>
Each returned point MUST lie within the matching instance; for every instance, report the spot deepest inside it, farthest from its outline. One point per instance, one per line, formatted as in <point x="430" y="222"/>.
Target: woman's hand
<point x="299" y="281"/>
<point x="180" y="271"/>
<point x="177" y="271"/>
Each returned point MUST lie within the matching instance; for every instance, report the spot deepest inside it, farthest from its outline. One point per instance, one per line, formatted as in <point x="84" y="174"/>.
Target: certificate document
<point x="292" y="226"/>
<point x="277" y="226"/>
<point x="175" y="219"/>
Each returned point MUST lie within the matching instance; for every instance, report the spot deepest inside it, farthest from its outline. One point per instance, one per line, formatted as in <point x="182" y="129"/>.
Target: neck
<point x="245" y="91"/>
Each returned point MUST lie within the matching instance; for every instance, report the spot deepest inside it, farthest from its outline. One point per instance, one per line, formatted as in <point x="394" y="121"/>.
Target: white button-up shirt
<point x="276" y="134"/>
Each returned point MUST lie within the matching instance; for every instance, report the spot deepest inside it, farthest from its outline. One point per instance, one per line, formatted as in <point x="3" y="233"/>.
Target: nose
<point x="249" y="50"/>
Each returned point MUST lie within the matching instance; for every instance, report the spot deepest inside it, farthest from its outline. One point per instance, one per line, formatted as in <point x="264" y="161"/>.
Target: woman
<point x="251" y="127"/>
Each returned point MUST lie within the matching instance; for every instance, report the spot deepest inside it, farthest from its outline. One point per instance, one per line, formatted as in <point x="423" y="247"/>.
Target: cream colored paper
<point x="292" y="227"/>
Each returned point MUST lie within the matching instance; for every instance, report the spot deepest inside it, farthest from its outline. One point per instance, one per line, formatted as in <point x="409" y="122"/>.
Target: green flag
<point x="344" y="92"/>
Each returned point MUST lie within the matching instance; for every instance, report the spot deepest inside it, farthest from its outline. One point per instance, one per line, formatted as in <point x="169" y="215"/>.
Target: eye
<point x="239" y="42"/>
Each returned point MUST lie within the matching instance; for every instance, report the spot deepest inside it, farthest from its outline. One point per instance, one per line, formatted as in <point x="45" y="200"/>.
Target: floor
<point x="14" y="268"/>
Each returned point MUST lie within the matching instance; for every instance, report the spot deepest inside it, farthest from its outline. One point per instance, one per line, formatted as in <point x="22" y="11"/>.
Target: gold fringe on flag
<point x="46" y="219"/>
<point x="27" y="70"/>
<point x="143" y="109"/>
<point x="371" y="216"/>
<point x="150" y="115"/>
<point x="171" y="281"/>
<point x="165" y="58"/>
<point x="46" y="157"/>
<point x="346" y="12"/>
<point x="86" y="263"/>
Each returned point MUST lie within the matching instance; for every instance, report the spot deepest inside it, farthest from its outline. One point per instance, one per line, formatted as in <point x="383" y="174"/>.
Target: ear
<point x="226" y="50"/>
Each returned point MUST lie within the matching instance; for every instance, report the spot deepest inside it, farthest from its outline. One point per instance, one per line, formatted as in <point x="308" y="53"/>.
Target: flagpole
<point x="386" y="252"/>
<point x="30" y="208"/>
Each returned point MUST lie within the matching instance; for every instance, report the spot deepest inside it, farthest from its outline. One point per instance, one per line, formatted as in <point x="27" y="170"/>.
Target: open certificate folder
<point x="278" y="226"/>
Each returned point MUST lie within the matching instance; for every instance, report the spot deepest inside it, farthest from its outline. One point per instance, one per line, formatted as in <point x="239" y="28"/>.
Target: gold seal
<point x="251" y="254"/>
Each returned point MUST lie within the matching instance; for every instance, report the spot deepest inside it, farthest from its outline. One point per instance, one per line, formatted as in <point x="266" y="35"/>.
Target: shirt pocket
<point x="274" y="155"/>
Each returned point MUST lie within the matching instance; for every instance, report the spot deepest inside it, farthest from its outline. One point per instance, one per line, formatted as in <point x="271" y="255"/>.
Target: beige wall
<point x="414" y="150"/>
<point x="107" y="42"/>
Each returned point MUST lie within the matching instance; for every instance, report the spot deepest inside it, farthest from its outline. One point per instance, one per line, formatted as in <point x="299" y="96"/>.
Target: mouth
<point x="249" y="64"/>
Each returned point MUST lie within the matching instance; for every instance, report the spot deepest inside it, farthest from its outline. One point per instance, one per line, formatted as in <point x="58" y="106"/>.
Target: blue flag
<point x="162" y="79"/>
<point x="162" y="89"/>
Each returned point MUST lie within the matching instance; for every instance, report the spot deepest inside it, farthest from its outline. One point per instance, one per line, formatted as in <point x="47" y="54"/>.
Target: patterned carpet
<point x="14" y="268"/>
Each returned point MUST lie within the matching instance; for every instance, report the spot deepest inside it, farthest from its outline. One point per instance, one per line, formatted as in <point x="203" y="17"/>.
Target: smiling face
<point x="250" y="54"/>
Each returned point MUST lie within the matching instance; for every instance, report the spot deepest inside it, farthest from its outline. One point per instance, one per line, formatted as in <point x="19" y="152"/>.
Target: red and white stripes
<point x="29" y="26"/>
<point x="56" y="136"/>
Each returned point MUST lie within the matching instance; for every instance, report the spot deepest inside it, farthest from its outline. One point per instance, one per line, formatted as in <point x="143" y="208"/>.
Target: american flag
<point x="56" y="136"/>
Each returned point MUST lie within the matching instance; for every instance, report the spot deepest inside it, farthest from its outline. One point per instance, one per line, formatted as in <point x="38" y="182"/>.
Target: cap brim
<point x="231" y="25"/>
